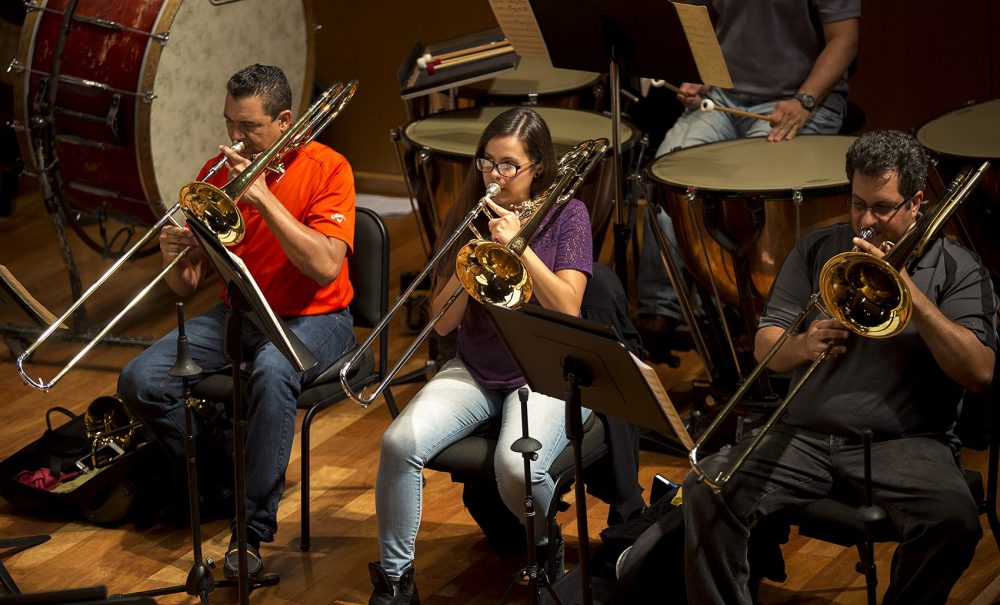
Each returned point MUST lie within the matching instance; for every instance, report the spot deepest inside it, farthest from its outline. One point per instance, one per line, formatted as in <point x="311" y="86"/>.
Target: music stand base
<point x="266" y="580"/>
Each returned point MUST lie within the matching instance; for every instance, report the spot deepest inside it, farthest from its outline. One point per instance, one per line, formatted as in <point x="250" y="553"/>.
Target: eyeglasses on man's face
<point x="506" y="169"/>
<point x="880" y="209"/>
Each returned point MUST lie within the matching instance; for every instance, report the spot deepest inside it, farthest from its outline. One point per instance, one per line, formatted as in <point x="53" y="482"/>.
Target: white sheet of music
<point x="704" y="45"/>
<point x="517" y="20"/>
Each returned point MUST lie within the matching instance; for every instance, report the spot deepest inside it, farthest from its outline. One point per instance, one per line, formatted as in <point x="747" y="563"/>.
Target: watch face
<point x="807" y="101"/>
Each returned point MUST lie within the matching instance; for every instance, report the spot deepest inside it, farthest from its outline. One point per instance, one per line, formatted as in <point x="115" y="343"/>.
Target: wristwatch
<point x="806" y="99"/>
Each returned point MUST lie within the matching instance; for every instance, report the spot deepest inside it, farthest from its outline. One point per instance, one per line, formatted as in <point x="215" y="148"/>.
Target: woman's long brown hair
<point x="528" y="127"/>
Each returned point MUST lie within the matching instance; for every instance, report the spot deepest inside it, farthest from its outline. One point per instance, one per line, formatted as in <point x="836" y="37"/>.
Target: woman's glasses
<point x="506" y="169"/>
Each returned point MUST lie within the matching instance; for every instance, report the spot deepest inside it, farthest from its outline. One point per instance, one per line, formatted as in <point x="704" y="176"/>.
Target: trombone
<point x="867" y="295"/>
<point x="489" y="271"/>
<point x="214" y="206"/>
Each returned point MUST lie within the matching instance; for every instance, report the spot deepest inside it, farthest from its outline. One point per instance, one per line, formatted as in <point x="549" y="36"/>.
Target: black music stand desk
<point x="245" y="298"/>
<point x="585" y="364"/>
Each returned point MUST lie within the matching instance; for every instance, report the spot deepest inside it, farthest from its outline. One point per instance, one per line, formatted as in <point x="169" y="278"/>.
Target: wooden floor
<point x="454" y="563"/>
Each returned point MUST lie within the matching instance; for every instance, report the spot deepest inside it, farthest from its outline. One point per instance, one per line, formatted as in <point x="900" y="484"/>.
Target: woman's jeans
<point x="452" y="406"/>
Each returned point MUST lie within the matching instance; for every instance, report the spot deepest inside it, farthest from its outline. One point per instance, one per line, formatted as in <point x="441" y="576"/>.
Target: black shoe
<point x="255" y="565"/>
<point x="387" y="592"/>
<point x="555" y="567"/>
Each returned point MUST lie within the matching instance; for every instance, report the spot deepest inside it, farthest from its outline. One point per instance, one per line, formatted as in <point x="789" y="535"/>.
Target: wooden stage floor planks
<point x="454" y="563"/>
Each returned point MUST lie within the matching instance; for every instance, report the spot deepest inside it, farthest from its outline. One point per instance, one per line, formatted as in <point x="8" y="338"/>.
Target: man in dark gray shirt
<point x="906" y="389"/>
<point x="788" y="59"/>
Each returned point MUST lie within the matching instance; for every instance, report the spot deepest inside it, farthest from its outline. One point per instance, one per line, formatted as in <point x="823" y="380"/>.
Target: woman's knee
<point x="397" y="442"/>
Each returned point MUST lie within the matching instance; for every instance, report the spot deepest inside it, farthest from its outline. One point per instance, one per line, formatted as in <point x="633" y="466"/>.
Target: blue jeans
<point x="274" y="386"/>
<point x="695" y="127"/>
<point x="449" y="407"/>
<point x="915" y="479"/>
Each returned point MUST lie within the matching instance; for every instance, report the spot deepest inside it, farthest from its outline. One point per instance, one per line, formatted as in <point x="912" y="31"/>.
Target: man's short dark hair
<point x="265" y="81"/>
<point x="878" y="152"/>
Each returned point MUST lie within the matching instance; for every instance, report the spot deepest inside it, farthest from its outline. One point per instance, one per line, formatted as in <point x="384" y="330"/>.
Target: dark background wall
<point x="917" y="59"/>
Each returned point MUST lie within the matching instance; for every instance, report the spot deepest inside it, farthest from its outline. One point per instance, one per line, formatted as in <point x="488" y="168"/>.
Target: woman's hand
<point x="505" y="226"/>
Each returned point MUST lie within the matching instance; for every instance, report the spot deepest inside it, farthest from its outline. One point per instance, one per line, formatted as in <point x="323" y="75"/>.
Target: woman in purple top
<point x="515" y="152"/>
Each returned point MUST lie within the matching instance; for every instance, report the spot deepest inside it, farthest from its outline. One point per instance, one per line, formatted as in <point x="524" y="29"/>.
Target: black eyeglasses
<point x="880" y="210"/>
<point x="506" y="169"/>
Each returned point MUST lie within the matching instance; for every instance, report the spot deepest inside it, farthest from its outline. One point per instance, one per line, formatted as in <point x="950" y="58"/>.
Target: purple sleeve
<point x="574" y="249"/>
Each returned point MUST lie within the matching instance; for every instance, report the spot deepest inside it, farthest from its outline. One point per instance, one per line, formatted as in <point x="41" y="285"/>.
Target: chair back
<point x="369" y="268"/>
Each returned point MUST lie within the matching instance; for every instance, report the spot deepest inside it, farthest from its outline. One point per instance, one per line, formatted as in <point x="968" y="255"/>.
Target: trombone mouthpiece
<point x="238" y="146"/>
<point x="492" y="189"/>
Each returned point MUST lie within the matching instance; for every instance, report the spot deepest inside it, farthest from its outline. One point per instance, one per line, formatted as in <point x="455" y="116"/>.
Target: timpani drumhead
<point x="757" y="166"/>
<point x="969" y="132"/>
<point x="457" y="133"/>
<point x="536" y="76"/>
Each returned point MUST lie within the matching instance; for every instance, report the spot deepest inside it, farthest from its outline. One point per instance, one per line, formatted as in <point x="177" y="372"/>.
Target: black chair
<point x="840" y="519"/>
<point x="470" y="462"/>
<point x="369" y="271"/>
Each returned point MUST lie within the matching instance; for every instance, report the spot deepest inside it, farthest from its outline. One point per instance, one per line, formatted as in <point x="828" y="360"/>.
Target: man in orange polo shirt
<point x="299" y="232"/>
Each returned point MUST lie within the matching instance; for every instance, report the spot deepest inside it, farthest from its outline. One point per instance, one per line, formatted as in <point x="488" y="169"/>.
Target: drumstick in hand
<point x="709" y="105"/>
<point x="427" y="59"/>
<point x="665" y="84"/>
<point x="486" y="54"/>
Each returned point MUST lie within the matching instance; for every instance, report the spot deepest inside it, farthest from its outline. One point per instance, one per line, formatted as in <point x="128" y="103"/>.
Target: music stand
<point x="642" y="37"/>
<point x="584" y="363"/>
<point x="245" y="299"/>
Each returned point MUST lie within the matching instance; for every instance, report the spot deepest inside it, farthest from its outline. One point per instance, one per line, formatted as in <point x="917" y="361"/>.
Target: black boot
<point x="387" y="592"/>
<point x="554" y="567"/>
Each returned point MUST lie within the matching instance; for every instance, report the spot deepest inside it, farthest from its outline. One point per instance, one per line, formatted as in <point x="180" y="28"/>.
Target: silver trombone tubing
<point x="168" y="216"/>
<point x="365" y="401"/>
<point x="911" y="246"/>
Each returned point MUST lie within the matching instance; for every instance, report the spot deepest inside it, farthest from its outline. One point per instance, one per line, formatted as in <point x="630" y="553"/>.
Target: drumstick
<point x="665" y="84"/>
<point x="427" y="59"/>
<point x="709" y="105"/>
<point x="486" y="54"/>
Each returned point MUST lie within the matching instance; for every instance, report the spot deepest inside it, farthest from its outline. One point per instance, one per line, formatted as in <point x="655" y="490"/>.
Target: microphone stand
<point x="528" y="448"/>
<point x="200" y="581"/>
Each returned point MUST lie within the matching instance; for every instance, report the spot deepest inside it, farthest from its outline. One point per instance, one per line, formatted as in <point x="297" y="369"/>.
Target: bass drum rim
<point x="142" y="118"/>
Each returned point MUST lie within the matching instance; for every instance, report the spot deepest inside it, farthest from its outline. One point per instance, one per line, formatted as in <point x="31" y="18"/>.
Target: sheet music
<point x="232" y="269"/>
<point x="704" y="45"/>
<point x="662" y="398"/>
<point x="517" y="20"/>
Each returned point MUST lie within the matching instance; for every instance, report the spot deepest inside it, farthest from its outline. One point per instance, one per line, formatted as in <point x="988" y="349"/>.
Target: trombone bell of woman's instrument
<point x="490" y="272"/>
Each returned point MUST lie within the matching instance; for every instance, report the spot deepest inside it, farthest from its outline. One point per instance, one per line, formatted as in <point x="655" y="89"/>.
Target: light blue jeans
<point x="655" y="293"/>
<point x="449" y="407"/>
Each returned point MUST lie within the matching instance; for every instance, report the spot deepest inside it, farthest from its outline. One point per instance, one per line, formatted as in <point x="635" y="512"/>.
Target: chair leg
<point x="390" y="401"/>
<point x="866" y="566"/>
<point x="304" y="540"/>
<point x="991" y="483"/>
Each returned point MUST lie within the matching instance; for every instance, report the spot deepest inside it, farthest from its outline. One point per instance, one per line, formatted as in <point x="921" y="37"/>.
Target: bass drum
<point x="441" y="147"/>
<point x="963" y="137"/>
<point x="136" y="106"/>
<point x="749" y="201"/>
